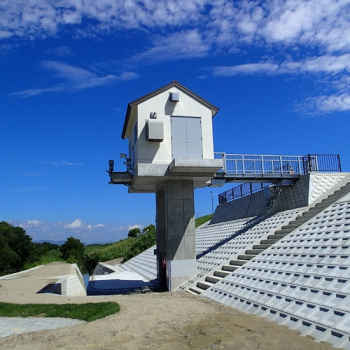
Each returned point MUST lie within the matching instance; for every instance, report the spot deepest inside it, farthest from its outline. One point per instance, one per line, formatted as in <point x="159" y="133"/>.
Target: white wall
<point x="160" y="152"/>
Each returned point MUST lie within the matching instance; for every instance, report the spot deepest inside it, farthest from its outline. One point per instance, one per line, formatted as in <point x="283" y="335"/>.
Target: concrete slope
<point x="303" y="279"/>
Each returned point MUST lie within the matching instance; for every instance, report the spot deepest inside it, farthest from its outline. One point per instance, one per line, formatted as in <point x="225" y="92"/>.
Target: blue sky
<point x="278" y="71"/>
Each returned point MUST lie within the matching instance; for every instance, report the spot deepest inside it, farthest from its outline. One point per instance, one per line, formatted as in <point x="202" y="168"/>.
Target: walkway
<point x="18" y="325"/>
<point x="271" y="168"/>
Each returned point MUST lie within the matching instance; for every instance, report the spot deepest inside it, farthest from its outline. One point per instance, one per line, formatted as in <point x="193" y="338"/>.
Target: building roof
<point x="174" y="83"/>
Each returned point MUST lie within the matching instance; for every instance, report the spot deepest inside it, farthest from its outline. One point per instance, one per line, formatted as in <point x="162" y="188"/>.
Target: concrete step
<point x="284" y="231"/>
<point x="277" y="235"/>
<point x="237" y="262"/>
<point x="262" y="246"/>
<point x="343" y="189"/>
<point x="322" y="205"/>
<point x="292" y="225"/>
<point x="314" y="209"/>
<point x="307" y="216"/>
<point x="212" y="279"/>
<point x="254" y="251"/>
<point x="230" y="268"/>
<point x="268" y="241"/>
<point x="222" y="274"/>
<point x="195" y="290"/>
<point x="246" y="257"/>
<point x="203" y="285"/>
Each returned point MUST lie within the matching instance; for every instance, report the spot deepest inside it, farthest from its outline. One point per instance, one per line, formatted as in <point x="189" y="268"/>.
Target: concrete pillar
<point x="180" y="232"/>
<point x="161" y="238"/>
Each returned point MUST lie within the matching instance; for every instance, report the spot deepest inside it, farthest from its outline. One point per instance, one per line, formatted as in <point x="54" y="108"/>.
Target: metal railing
<point x="245" y="164"/>
<point x="322" y="162"/>
<point x="241" y="191"/>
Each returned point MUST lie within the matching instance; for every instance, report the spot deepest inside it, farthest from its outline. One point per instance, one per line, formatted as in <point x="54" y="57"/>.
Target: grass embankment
<point x="130" y="247"/>
<point x="53" y="255"/>
<point x="86" y="312"/>
<point x="126" y="249"/>
<point x="94" y="248"/>
<point x="203" y="219"/>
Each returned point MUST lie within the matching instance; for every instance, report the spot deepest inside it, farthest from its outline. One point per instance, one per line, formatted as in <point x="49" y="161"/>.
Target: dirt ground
<point x="148" y="321"/>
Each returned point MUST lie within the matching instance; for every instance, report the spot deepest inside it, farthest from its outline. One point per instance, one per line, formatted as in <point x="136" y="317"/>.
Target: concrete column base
<point x="180" y="232"/>
<point x="161" y="239"/>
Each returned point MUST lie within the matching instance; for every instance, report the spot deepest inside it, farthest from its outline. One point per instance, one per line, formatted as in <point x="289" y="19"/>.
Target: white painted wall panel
<point x="161" y="153"/>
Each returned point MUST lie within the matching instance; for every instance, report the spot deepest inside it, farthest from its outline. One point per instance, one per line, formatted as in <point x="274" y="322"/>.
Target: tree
<point x="149" y="228"/>
<point x="15" y="248"/>
<point x="133" y="233"/>
<point x="73" y="250"/>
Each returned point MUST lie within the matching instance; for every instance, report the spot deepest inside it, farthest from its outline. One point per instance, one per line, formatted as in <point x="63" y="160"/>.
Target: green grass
<point x="93" y="248"/>
<point x="203" y="219"/>
<point x="105" y="248"/>
<point x="127" y="248"/>
<point x="47" y="258"/>
<point x="86" y="312"/>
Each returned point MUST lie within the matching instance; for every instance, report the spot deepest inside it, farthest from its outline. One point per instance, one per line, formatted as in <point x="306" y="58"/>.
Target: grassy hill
<point x="203" y="219"/>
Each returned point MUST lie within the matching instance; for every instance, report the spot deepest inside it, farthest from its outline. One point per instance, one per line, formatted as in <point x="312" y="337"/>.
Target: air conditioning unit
<point x="154" y="130"/>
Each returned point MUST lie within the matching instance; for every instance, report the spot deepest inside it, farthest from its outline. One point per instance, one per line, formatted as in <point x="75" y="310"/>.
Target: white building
<point x="171" y="153"/>
<point x="170" y="136"/>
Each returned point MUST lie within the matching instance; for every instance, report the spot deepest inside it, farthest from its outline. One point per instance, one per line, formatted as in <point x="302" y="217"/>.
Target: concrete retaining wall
<point x="305" y="191"/>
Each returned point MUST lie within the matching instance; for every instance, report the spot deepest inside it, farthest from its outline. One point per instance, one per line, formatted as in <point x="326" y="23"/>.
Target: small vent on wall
<point x="174" y="97"/>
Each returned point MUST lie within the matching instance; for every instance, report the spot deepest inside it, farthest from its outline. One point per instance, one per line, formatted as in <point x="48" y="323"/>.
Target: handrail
<point x="241" y="191"/>
<point x="276" y="164"/>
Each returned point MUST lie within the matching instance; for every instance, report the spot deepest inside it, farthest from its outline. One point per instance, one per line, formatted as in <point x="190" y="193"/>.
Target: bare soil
<point x="148" y="321"/>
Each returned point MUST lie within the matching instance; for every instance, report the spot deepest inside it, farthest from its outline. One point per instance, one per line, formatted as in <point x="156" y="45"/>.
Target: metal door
<point x="186" y="137"/>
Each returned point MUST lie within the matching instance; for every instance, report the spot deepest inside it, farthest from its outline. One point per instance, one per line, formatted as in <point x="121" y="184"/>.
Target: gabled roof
<point x="174" y="83"/>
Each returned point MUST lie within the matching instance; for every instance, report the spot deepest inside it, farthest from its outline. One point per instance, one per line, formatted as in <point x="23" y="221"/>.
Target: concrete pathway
<point x="18" y="325"/>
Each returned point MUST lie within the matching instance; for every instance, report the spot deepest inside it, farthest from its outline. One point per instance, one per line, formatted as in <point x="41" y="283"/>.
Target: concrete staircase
<point x="73" y="284"/>
<point x="308" y="214"/>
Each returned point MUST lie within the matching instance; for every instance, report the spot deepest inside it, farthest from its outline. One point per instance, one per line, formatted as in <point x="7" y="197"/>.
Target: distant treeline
<point x="18" y="252"/>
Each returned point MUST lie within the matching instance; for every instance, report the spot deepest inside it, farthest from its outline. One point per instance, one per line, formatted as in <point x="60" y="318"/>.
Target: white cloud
<point x="325" y="104"/>
<point x="182" y="29"/>
<point x="23" y="19"/>
<point x="60" y="51"/>
<point x="80" y="224"/>
<point x="336" y="69"/>
<point x="76" y="224"/>
<point x="323" y="23"/>
<point x="62" y="163"/>
<point x="326" y="63"/>
<point x="333" y="103"/>
<point x="310" y="23"/>
<point x="322" y="64"/>
<point x="249" y="68"/>
<point x="34" y="92"/>
<point x="60" y="231"/>
<point x="128" y="76"/>
<point x="184" y="44"/>
<point x="95" y="81"/>
<point x="74" y="78"/>
<point x="31" y="224"/>
<point x="5" y="34"/>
